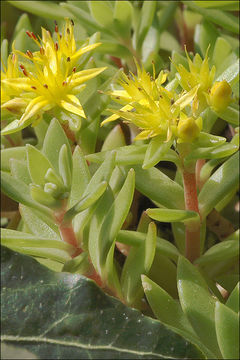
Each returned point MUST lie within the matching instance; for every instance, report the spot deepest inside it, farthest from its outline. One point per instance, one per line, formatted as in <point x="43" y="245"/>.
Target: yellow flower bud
<point x="188" y="130"/>
<point x="220" y="95"/>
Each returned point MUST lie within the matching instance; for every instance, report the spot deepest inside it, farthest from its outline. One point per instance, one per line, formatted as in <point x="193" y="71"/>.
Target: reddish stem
<point x="192" y="229"/>
<point x="199" y="166"/>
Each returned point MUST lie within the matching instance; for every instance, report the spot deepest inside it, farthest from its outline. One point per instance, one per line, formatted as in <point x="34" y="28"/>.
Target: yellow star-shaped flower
<point x="53" y="79"/>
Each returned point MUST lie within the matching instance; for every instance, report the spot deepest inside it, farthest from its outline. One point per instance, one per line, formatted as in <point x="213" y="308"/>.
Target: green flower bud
<point x="188" y="129"/>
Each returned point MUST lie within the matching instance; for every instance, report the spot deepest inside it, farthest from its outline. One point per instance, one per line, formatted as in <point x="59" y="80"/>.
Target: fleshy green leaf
<point x="225" y="250"/>
<point x="230" y="115"/>
<point x="156" y="152"/>
<point x="227" y="328"/>
<point x="233" y="300"/>
<point x="122" y="17"/>
<point x="125" y="155"/>
<point x="80" y="177"/>
<point x="218" y="185"/>
<point x="19" y="191"/>
<point x="169" y="215"/>
<point x="230" y="74"/>
<point x="38" y="165"/>
<point x="65" y="168"/>
<point x="18" y="153"/>
<point x="136" y="238"/>
<point x="102" y="12"/>
<point x="115" y="138"/>
<point x="19" y="170"/>
<point x="197" y="304"/>
<point x="218" y="152"/>
<point x="145" y="20"/>
<point x="41" y="8"/>
<point x="40" y="226"/>
<point x="54" y="140"/>
<point x="155" y="185"/>
<point x="139" y="261"/>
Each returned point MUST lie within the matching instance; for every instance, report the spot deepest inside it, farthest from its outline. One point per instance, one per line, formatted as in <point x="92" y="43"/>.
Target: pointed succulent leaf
<point x="218" y="152"/>
<point x="197" y="304"/>
<point x="114" y="139"/>
<point x="218" y="185"/>
<point x="18" y="153"/>
<point x="80" y="177"/>
<point x="227" y="329"/>
<point x="169" y="215"/>
<point x="38" y="165"/>
<point x="156" y="152"/>
<point x="54" y="140"/>
<point x="65" y="169"/>
<point x="139" y="261"/>
<point x="77" y="265"/>
<point x="116" y="215"/>
<point x="122" y="16"/>
<point x="19" y="170"/>
<point x="86" y="201"/>
<point x="39" y="225"/>
<point x="125" y="155"/>
<point x="19" y="191"/>
<point x="225" y="250"/>
<point x="136" y="238"/>
<point x="233" y="300"/>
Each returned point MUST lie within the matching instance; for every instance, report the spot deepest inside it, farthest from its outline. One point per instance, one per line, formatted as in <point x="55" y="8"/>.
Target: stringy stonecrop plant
<point x="76" y="209"/>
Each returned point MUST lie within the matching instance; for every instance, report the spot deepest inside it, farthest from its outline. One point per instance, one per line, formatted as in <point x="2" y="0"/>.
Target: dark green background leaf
<point x="60" y="315"/>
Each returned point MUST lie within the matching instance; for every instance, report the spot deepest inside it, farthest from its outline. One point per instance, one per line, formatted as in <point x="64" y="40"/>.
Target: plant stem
<point x="192" y="248"/>
<point x="199" y="165"/>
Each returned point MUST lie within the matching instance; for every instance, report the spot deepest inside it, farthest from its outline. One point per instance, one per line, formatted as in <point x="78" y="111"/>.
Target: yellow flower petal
<point x="73" y="108"/>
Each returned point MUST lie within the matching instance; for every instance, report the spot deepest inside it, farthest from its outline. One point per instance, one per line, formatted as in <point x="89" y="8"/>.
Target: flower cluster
<point x="50" y="77"/>
<point x="158" y="111"/>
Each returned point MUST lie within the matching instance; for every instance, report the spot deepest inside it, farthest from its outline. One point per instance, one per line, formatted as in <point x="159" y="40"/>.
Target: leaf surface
<point x="67" y="316"/>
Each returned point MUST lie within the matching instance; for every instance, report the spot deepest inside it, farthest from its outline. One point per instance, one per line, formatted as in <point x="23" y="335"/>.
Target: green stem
<point x="192" y="248"/>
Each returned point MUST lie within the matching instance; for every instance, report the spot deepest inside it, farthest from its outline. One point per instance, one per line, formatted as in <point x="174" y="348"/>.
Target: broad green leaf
<point x="225" y="250"/>
<point x="45" y="228"/>
<point x="44" y="9"/>
<point x="156" y="152"/>
<point x="145" y="21"/>
<point x="136" y="238"/>
<point x="65" y="168"/>
<point x="19" y="170"/>
<point x="138" y="261"/>
<point x="125" y="155"/>
<point x="65" y="330"/>
<point x="38" y="165"/>
<point x="18" y="153"/>
<point x="197" y="304"/>
<point x="227" y="328"/>
<point x="102" y="12"/>
<point x="122" y="17"/>
<point x="169" y="312"/>
<point x="155" y="185"/>
<point x="218" y="185"/>
<point x="233" y="300"/>
<point x="86" y="201"/>
<point x="169" y="215"/>
<point x="19" y="191"/>
<point x="80" y="177"/>
<point x="114" y="139"/>
<point x="54" y="140"/>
